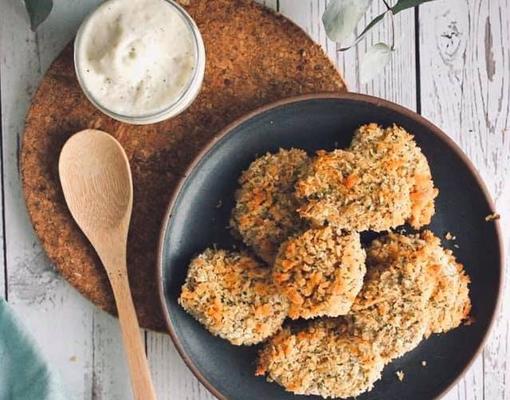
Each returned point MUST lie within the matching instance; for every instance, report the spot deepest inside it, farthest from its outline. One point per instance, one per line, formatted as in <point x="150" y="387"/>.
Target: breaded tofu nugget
<point x="395" y="146"/>
<point x="320" y="271"/>
<point x="391" y="310"/>
<point x="321" y="359"/>
<point x="265" y="212"/>
<point x="449" y="304"/>
<point x="348" y="191"/>
<point x="233" y="296"/>
<point x="413" y="288"/>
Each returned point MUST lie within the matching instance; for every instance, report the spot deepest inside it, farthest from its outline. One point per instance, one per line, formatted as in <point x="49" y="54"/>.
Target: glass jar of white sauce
<point x="139" y="61"/>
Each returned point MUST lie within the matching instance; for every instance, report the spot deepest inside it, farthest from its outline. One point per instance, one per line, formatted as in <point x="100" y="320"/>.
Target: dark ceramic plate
<point x="198" y="216"/>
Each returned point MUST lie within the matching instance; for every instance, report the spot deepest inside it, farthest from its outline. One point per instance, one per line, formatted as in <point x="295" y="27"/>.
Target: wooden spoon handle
<point x="141" y="382"/>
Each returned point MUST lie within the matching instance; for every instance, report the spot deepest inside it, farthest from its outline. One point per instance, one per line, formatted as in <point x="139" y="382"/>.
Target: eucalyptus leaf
<point x="341" y="17"/>
<point x="374" y="61"/>
<point x="38" y="11"/>
<point x="405" y="4"/>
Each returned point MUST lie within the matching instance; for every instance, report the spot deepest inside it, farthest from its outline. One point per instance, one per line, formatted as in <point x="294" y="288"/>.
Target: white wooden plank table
<point x="452" y="65"/>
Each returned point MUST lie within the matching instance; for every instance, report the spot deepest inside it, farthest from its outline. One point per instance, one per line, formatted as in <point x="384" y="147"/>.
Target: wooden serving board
<point x="254" y="56"/>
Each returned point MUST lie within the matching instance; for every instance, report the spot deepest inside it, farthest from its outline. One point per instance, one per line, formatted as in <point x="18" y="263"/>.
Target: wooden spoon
<point x="96" y="180"/>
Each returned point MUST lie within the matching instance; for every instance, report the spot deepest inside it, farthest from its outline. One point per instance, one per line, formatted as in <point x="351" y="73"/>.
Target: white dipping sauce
<point x="136" y="57"/>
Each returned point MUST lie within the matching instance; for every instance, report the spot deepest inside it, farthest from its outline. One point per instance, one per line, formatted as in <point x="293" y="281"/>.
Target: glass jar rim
<point x="194" y="80"/>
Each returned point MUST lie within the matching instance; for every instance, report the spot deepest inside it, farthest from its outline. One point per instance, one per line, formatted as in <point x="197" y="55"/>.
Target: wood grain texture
<point x="173" y="380"/>
<point x="109" y="373"/>
<point x="464" y="65"/>
<point x="3" y="282"/>
<point x="465" y="89"/>
<point x="389" y="84"/>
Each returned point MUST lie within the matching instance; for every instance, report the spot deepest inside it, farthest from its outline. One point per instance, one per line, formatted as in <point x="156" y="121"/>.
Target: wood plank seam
<point x="2" y="204"/>
<point x="417" y="57"/>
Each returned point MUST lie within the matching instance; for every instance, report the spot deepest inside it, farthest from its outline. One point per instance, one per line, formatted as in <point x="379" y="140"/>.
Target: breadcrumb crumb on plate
<point x="449" y="236"/>
<point x="320" y="271"/>
<point x="344" y="189"/>
<point x="492" y="217"/>
<point x="321" y="359"/>
<point x="265" y="211"/>
<point x="233" y="296"/>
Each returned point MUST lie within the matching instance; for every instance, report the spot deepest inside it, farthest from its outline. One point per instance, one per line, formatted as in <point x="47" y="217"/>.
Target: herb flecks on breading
<point x="265" y="213"/>
<point x="413" y="287"/>
<point x="346" y="190"/>
<point x="320" y="271"/>
<point x="382" y="181"/>
<point x="233" y="296"/>
<point x="395" y="146"/>
<point x="321" y="359"/>
<point x="449" y="304"/>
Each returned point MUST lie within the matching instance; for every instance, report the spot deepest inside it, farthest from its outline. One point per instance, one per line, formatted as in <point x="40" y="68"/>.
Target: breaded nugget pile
<point x="322" y="360"/>
<point x="320" y="271"/>
<point x="303" y="217"/>
<point x="265" y="212"/>
<point x="233" y="296"/>
<point x="413" y="287"/>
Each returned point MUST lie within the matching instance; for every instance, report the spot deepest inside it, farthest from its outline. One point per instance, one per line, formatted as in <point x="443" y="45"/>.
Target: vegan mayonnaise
<point x="138" y="58"/>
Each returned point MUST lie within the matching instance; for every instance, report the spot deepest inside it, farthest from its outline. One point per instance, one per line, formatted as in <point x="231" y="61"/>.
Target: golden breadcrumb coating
<point x="396" y="146"/>
<point x="348" y="191"/>
<point x="321" y="359"/>
<point x="391" y="309"/>
<point x="265" y="212"/>
<point x="407" y="293"/>
<point x="449" y="304"/>
<point x="233" y="296"/>
<point x="320" y="271"/>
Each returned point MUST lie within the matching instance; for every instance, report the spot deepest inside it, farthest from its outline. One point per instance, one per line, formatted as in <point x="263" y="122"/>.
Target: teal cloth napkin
<point x="24" y="374"/>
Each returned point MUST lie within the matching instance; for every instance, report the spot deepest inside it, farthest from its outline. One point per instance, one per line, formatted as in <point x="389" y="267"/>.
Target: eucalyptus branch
<point x="341" y="18"/>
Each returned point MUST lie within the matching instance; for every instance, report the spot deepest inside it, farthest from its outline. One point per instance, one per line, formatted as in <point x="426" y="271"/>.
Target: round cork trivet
<point x="254" y="56"/>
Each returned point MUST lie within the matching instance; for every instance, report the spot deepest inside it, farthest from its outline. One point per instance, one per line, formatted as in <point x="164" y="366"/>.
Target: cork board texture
<point x="254" y="57"/>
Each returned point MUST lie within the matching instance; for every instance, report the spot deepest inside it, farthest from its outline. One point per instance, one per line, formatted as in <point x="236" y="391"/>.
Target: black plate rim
<point x="356" y="97"/>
